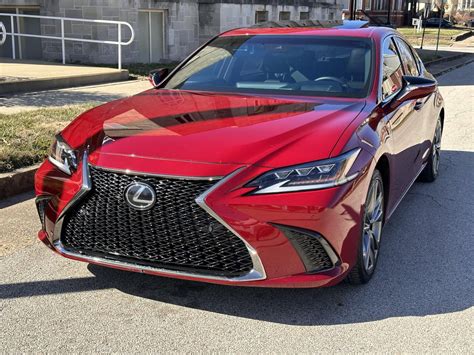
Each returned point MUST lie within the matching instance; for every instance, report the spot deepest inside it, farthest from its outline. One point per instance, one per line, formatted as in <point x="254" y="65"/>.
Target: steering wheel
<point x="330" y="78"/>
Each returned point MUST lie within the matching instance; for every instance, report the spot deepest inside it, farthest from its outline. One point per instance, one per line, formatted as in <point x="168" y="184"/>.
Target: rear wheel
<point x="372" y="220"/>
<point x="431" y="170"/>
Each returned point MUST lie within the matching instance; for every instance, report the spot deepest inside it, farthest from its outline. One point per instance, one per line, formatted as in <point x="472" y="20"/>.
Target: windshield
<point x="292" y="65"/>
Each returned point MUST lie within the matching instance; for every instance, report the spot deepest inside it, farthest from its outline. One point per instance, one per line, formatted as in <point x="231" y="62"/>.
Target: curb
<point x="463" y="36"/>
<point x="17" y="182"/>
<point x="14" y="87"/>
<point x="446" y="59"/>
<point x="447" y="70"/>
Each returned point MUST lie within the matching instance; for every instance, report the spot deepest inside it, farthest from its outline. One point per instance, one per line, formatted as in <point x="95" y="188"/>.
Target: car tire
<point x="431" y="170"/>
<point x="372" y="222"/>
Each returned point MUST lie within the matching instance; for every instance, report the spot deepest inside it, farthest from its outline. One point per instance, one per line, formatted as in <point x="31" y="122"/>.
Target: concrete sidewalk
<point x="26" y="75"/>
<point x="72" y="96"/>
<point x="466" y="46"/>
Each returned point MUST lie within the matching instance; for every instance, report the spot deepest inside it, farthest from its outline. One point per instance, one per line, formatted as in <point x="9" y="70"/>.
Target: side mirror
<point x="414" y="87"/>
<point x="156" y="76"/>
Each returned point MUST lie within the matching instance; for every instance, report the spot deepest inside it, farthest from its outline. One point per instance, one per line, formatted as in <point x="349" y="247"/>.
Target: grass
<point x="25" y="138"/>
<point x="431" y="33"/>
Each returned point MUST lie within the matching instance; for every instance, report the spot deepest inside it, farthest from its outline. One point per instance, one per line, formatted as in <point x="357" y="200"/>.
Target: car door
<point x="421" y="108"/>
<point x="402" y="123"/>
<point x="427" y="111"/>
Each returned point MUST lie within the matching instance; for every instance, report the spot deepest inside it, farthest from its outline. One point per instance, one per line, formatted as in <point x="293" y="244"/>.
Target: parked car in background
<point x="434" y="22"/>
<point x="273" y="156"/>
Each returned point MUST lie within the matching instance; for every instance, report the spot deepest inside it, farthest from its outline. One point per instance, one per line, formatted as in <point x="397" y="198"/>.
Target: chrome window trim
<point x="381" y="100"/>
<point x="397" y="39"/>
<point x="257" y="272"/>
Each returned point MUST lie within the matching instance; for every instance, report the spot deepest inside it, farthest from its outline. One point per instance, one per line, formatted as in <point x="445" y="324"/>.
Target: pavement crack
<point x="430" y="197"/>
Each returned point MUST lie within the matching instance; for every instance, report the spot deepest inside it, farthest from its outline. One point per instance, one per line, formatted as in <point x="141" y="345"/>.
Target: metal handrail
<point x="119" y="43"/>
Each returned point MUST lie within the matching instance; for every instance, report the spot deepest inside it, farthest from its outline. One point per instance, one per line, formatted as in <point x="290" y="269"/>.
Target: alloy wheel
<point x="436" y="149"/>
<point x="373" y="218"/>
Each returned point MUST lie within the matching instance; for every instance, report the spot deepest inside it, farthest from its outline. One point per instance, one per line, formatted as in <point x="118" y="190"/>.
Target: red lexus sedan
<point x="272" y="156"/>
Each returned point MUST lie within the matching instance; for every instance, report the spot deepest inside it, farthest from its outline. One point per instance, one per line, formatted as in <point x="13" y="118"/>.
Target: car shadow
<point x="425" y="267"/>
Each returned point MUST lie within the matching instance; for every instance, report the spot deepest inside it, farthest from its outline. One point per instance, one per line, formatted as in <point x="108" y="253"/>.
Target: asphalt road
<point x="420" y="300"/>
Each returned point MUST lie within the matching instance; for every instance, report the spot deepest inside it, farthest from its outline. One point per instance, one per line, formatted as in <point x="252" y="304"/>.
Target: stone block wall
<point x="216" y="16"/>
<point x="181" y="24"/>
<point x="187" y="23"/>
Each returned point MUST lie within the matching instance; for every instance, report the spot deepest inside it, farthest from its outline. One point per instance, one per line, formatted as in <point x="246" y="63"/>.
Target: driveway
<point x="420" y="300"/>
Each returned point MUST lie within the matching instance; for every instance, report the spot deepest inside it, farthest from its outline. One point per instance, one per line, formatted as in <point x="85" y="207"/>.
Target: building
<point x="380" y="12"/>
<point x="164" y="30"/>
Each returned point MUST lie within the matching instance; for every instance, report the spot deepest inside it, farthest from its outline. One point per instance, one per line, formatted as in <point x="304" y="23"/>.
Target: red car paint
<point x="257" y="133"/>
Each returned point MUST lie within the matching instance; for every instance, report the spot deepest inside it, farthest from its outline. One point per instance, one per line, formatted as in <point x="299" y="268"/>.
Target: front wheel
<point x="372" y="220"/>
<point x="431" y="170"/>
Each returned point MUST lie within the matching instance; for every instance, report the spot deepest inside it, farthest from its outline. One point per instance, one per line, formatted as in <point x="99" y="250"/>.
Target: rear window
<point x="293" y="65"/>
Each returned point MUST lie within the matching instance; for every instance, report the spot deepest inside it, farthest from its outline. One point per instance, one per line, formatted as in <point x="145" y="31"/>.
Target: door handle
<point x="418" y="105"/>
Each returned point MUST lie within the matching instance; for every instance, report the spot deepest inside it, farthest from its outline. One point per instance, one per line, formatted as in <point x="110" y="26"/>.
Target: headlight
<point x="63" y="156"/>
<point x="310" y="176"/>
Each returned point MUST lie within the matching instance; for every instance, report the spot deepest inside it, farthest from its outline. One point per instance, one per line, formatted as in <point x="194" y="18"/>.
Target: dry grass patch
<point x="25" y="138"/>
<point x="446" y="36"/>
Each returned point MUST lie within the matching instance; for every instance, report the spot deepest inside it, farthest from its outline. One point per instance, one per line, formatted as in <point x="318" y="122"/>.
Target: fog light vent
<point x="41" y="203"/>
<point x="314" y="251"/>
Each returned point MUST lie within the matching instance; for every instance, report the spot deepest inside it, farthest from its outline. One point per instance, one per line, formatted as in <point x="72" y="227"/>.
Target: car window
<point x="417" y="59"/>
<point x="391" y="69"/>
<point x="408" y="60"/>
<point x="301" y="65"/>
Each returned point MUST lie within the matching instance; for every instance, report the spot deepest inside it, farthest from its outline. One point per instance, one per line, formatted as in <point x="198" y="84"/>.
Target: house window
<point x="304" y="15"/>
<point x="284" y="16"/>
<point x="380" y="5"/>
<point x="261" y="16"/>
<point x="331" y="15"/>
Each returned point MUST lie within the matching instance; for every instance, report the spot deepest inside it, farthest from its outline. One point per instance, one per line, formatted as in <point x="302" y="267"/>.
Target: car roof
<point x="313" y="28"/>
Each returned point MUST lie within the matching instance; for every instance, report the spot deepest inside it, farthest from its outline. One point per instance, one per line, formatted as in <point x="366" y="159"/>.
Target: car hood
<point x="198" y="127"/>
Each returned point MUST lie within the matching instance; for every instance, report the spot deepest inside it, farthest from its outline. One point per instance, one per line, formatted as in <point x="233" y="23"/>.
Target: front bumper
<point x="261" y="221"/>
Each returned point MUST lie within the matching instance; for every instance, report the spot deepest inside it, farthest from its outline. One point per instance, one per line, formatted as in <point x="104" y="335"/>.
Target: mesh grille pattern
<point x="175" y="234"/>
<point x="311" y="251"/>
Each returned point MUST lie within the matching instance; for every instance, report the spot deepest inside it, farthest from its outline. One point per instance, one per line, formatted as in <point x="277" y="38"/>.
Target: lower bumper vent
<point x="313" y="249"/>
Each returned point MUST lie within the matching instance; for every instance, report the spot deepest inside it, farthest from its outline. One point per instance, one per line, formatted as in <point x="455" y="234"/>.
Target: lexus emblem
<point x="140" y="196"/>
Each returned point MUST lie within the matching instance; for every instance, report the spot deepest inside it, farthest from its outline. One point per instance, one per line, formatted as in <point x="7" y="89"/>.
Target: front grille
<point x="176" y="234"/>
<point x="310" y="249"/>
